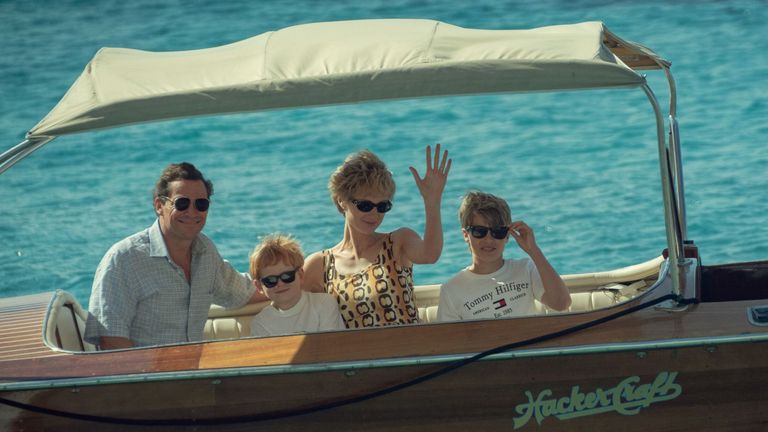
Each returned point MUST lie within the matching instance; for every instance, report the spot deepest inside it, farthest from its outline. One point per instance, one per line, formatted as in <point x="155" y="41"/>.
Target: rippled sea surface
<point x="580" y="167"/>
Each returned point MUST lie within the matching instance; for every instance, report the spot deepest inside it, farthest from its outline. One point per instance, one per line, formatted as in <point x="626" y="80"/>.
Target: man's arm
<point x="258" y="297"/>
<point x="233" y="289"/>
<point x="112" y="304"/>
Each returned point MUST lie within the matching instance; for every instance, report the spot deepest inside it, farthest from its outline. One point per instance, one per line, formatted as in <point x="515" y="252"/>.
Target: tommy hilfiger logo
<point x="500" y="303"/>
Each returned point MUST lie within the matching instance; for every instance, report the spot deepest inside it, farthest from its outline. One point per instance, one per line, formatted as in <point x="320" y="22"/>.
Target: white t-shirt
<point x="314" y="312"/>
<point x="507" y="292"/>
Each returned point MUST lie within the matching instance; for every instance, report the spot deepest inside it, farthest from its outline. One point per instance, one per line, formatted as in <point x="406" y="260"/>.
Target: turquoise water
<point x="579" y="167"/>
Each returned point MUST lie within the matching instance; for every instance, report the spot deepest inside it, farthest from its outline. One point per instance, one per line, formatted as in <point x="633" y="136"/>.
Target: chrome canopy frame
<point x="673" y="191"/>
<point x="21" y="150"/>
<point x="671" y="174"/>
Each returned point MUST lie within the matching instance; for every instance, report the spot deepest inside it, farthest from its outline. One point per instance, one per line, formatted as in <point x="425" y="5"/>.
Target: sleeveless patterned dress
<point x="379" y="295"/>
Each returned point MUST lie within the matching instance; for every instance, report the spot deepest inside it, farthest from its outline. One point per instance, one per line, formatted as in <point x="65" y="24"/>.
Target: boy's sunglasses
<point x="365" y="206"/>
<point x="271" y="280"/>
<point x="182" y="203"/>
<point x="477" y="231"/>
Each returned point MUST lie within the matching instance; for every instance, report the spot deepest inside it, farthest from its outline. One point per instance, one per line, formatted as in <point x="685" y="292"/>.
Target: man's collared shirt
<point x="139" y="293"/>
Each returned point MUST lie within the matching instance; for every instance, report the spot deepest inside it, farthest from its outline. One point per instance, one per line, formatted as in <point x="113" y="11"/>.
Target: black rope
<point x="274" y="415"/>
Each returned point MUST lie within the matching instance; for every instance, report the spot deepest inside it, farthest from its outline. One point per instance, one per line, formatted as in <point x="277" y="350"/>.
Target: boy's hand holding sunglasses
<point x="523" y="235"/>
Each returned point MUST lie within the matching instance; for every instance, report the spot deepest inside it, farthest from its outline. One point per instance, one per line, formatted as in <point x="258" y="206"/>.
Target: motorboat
<point x="667" y="344"/>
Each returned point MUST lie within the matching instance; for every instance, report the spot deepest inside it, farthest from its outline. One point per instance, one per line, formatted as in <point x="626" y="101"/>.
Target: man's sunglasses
<point x="182" y="203"/>
<point x="365" y="206"/>
<point x="271" y="280"/>
<point x="477" y="231"/>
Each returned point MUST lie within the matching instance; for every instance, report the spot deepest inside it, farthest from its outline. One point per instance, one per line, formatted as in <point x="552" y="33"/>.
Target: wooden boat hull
<point x="700" y="368"/>
<point x="702" y="386"/>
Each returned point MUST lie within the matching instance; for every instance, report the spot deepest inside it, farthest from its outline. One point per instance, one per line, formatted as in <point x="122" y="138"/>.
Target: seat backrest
<point x="602" y="297"/>
<point x="231" y="323"/>
<point x="235" y="323"/>
<point x="65" y="324"/>
<point x="227" y="327"/>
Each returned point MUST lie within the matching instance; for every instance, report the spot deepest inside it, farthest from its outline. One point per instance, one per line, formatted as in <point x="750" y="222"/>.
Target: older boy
<point x="493" y="287"/>
<point x="276" y="270"/>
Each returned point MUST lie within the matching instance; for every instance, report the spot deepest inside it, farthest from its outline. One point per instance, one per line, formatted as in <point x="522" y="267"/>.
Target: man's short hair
<point x="494" y="209"/>
<point x="180" y="171"/>
<point x="361" y="172"/>
<point x="273" y="249"/>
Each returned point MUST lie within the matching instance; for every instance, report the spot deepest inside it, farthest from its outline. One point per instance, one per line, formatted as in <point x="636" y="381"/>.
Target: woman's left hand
<point x="432" y="185"/>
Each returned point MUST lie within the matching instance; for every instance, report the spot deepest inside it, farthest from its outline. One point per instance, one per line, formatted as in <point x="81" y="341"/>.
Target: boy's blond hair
<point x="494" y="209"/>
<point x="273" y="249"/>
<point x="361" y="171"/>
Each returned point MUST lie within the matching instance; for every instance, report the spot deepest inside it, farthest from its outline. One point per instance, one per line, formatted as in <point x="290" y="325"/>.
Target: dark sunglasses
<point x="365" y="206"/>
<point x="182" y="203"/>
<point x="477" y="231"/>
<point x="271" y="280"/>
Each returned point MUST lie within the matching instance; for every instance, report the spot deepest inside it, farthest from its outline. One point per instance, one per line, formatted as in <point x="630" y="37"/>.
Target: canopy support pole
<point x="676" y="154"/>
<point x="22" y="150"/>
<point x="671" y="215"/>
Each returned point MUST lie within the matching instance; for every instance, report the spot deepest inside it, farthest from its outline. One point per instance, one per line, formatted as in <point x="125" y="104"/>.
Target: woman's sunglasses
<point x="365" y="206"/>
<point x="182" y="203"/>
<point x="271" y="280"/>
<point x="477" y="231"/>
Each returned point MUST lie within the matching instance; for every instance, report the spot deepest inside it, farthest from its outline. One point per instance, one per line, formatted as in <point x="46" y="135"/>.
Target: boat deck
<point x="21" y="328"/>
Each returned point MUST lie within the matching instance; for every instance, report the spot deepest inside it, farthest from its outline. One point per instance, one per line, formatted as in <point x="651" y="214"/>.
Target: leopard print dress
<point x="379" y="295"/>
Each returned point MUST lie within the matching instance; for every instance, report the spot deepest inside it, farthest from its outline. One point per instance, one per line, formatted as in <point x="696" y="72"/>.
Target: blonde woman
<point x="371" y="273"/>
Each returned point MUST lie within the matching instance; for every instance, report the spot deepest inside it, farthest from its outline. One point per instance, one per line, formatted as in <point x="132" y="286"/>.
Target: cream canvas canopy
<point x="341" y="62"/>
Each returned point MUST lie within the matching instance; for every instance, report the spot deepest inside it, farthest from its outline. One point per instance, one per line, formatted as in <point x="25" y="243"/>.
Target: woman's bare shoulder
<point x="314" y="259"/>
<point x="313" y="272"/>
<point x="403" y="235"/>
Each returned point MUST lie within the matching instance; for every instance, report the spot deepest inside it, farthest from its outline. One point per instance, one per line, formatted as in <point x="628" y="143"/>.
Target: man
<point x="156" y="286"/>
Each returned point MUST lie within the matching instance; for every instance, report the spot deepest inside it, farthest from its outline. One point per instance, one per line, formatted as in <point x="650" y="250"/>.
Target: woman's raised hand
<point x="432" y="185"/>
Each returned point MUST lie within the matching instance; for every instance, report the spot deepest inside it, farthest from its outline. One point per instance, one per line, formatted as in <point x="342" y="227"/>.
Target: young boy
<point x="276" y="269"/>
<point x="493" y="287"/>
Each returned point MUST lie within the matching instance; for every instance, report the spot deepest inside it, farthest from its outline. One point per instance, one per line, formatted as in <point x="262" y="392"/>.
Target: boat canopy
<point x="342" y="62"/>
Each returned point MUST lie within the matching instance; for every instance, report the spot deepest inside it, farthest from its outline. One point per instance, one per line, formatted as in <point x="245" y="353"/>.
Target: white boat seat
<point x="428" y="314"/>
<point x="64" y="324"/>
<point x="604" y="296"/>
<point x="236" y="323"/>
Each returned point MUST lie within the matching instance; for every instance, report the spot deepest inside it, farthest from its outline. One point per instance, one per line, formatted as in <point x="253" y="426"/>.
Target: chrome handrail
<point x="676" y="153"/>
<point x="672" y="220"/>
<point x="22" y="150"/>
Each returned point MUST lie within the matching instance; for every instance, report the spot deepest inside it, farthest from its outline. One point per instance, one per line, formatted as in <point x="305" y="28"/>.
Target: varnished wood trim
<point x="701" y="321"/>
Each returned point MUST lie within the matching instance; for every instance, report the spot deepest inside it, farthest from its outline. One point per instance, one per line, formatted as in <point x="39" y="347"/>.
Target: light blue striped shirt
<point x="139" y="293"/>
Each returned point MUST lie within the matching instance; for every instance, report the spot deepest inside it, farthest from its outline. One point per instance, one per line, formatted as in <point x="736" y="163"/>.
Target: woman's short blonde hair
<point x="361" y="172"/>
<point x="494" y="209"/>
<point x="273" y="249"/>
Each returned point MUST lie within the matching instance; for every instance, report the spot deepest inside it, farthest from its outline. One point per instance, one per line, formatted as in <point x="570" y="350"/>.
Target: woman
<point x="370" y="273"/>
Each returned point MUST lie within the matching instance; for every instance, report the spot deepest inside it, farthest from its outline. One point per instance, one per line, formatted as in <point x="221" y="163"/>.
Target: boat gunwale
<point x="347" y="366"/>
<point x="662" y="276"/>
